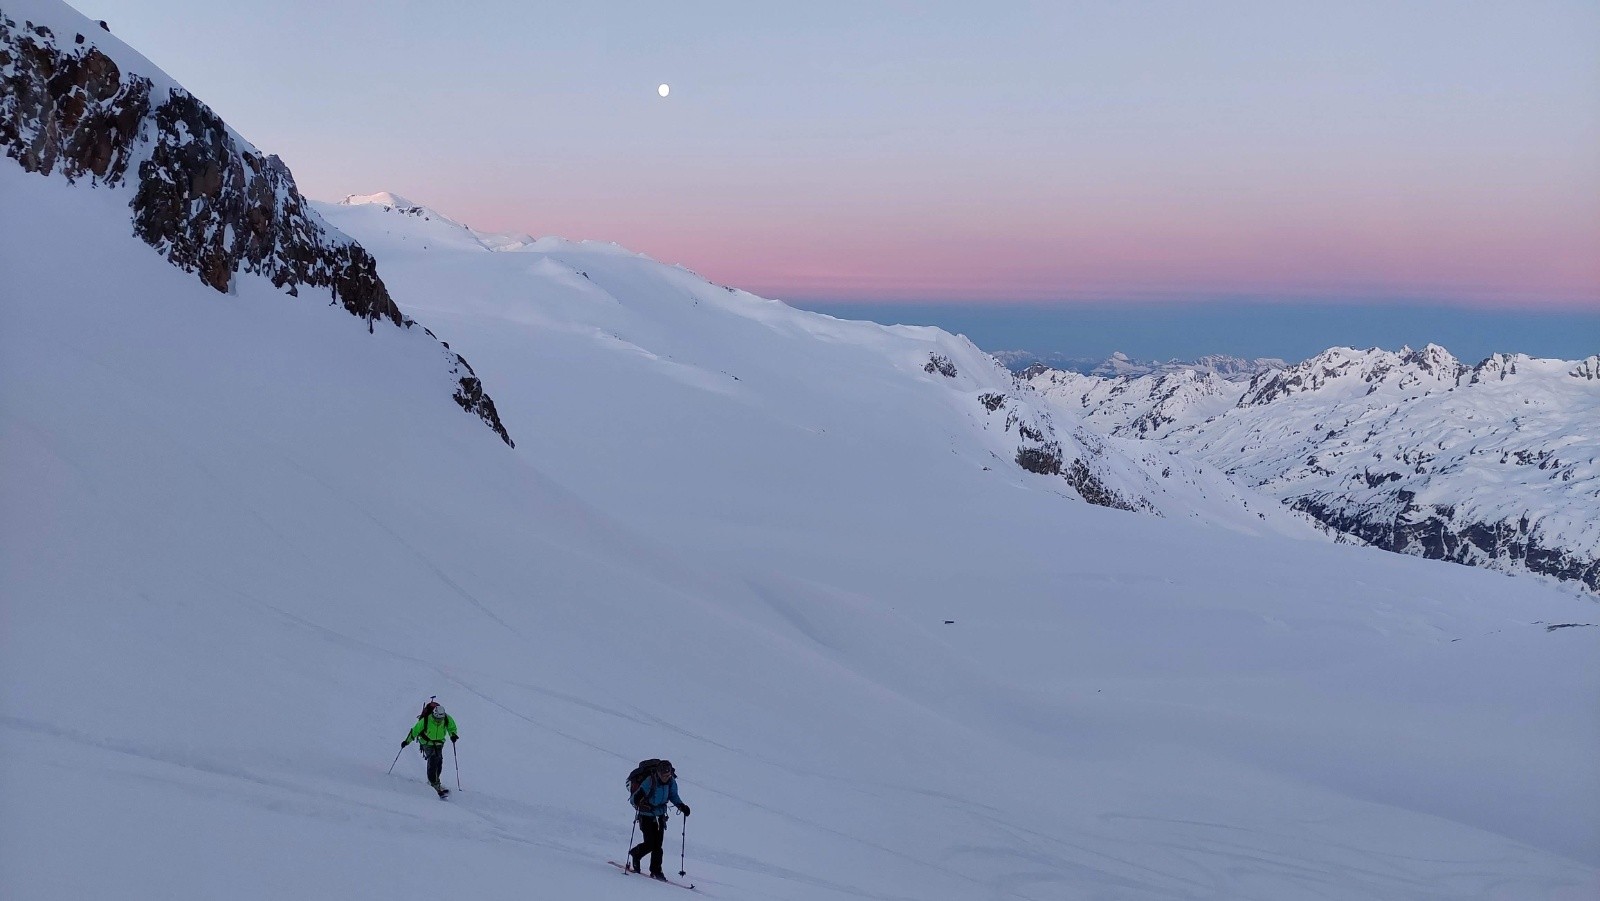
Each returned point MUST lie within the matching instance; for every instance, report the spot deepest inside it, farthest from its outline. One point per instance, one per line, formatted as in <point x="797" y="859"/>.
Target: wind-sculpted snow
<point x="1495" y="465"/>
<point x="86" y="108"/>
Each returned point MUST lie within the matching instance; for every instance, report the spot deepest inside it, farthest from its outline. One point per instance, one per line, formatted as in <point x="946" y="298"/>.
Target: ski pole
<point x="456" y="756"/>
<point x="683" y="844"/>
<point x="628" y="855"/>
<point x="396" y="759"/>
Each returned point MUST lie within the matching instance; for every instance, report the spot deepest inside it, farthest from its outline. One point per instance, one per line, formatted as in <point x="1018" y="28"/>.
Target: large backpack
<point x="637" y="777"/>
<point x="422" y="734"/>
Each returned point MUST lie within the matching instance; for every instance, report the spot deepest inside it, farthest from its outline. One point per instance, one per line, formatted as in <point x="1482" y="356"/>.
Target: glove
<point x="453" y="738"/>
<point x="684" y="808"/>
<point x="404" y="742"/>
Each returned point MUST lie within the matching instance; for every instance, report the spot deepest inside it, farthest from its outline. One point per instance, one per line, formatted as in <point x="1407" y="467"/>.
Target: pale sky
<point x="857" y="151"/>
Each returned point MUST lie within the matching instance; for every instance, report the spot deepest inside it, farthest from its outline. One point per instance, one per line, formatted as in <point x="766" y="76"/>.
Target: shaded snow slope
<point x="1496" y="465"/>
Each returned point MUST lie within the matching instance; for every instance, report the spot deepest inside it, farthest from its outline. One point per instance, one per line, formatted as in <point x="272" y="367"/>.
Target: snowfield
<point x="242" y="539"/>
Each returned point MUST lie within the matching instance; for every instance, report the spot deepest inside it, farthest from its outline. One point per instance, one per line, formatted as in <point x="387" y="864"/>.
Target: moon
<point x="664" y="90"/>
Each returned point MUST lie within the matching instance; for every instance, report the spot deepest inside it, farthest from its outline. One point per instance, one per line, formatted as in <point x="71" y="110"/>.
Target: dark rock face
<point x="1435" y="531"/>
<point x="72" y="113"/>
<point x="1093" y="490"/>
<point x="203" y="199"/>
<point x="1044" y="459"/>
<point x="471" y="397"/>
<point x="214" y="208"/>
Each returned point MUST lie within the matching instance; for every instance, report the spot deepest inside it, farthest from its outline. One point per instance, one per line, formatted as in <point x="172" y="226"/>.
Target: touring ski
<point x="631" y="872"/>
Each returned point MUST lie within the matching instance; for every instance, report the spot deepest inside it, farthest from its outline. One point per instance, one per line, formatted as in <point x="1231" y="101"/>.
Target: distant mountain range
<point x="1494" y="465"/>
<point x="1120" y="364"/>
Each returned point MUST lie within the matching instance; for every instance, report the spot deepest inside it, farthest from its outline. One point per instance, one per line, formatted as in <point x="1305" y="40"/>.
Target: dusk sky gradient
<point x="1431" y="152"/>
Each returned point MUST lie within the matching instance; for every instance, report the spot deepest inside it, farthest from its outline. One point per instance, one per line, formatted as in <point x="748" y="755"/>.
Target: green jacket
<point x="430" y="731"/>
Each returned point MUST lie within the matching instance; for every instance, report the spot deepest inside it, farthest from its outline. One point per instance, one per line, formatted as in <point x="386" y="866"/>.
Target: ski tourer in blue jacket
<point x="650" y="801"/>
<point x="655" y="792"/>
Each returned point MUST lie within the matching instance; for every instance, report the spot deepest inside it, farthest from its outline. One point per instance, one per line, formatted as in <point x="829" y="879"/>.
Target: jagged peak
<point x="1349" y="369"/>
<point x="1434" y="358"/>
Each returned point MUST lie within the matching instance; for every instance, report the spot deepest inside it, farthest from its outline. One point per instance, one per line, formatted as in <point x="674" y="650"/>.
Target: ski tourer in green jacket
<point x="432" y="728"/>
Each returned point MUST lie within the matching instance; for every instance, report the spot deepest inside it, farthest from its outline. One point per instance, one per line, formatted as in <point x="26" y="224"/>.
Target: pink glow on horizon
<point x="1463" y="256"/>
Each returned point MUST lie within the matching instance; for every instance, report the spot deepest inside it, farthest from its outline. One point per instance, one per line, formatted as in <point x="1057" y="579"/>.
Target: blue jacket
<point x="652" y="797"/>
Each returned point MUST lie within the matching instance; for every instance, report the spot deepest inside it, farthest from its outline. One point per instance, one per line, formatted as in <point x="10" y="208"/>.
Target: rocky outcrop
<point x="1094" y="489"/>
<point x="201" y="196"/>
<point x="940" y="364"/>
<point x="216" y="209"/>
<point x="1043" y="459"/>
<point x="1439" y="532"/>
<point x="75" y="114"/>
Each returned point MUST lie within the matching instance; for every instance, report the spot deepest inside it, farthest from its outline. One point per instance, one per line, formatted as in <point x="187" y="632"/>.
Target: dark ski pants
<point x="435" y="758"/>
<point x="654" y="829"/>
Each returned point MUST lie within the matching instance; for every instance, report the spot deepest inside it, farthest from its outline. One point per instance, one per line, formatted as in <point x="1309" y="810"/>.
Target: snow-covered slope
<point x="1496" y="465"/>
<point x="240" y="541"/>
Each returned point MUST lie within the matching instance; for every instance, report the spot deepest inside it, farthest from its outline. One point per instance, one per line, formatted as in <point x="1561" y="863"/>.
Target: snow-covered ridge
<point x="1346" y="371"/>
<point x="79" y="105"/>
<point x="1493" y="465"/>
<point x="586" y="284"/>
<point x="386" y="202"/>
<point x="458" y="235"/>
<point x="401" y="231"/>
